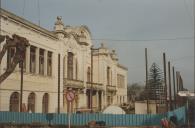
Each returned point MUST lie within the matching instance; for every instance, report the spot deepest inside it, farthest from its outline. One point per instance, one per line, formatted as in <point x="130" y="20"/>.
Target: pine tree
<point x="155" y="83"/>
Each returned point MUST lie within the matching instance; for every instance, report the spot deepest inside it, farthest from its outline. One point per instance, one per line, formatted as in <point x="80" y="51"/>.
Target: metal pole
<point x="177" y="82"/>
<point x="21" y="87"/>
<point x="170" y="93"/>
<point x="69" y="114"/>
<point x="91" y="92"/>
<point x="174" y="91"/>
<point x="165" y="80"/>
<point x="194" y="42"/>
<point x="147" y="89"/>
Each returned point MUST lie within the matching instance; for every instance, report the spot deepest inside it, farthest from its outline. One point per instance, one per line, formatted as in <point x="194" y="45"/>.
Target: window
<point x="10" y="55"/>
<point x="14" y="102"/>
<point x="32" y="59"/>
<point x="88" y="74"/>
<point x="109" y="100"/>
<point x="31" y="102"/>
<point x="120" y="81"/>
<point x="70" y="65"/>
<point x="41" y="62"/>
<point x="76" y="70"/>
<point x="108" y="75"/>
<point x="49" y="63"/>
<point x="45" y="103"/>
<point x="111" y="77"/>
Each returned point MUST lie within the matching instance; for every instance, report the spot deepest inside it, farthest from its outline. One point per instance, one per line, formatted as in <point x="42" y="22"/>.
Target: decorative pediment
<point x="80" y="38"/>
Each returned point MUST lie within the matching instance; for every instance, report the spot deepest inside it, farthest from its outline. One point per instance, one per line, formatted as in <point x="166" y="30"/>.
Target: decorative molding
<point x="24" y="22"/>
<point x="121" y="66"/>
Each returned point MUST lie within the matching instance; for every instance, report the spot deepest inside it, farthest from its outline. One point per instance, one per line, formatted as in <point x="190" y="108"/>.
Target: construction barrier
<point x="84" y="118"/>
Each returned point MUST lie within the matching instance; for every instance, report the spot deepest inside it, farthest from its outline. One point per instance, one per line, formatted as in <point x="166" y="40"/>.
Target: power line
<point x="38" y="6"/>
<point x="23" y="7"/>
<point x="182" y="58"/>
<point x="126" y="40"/>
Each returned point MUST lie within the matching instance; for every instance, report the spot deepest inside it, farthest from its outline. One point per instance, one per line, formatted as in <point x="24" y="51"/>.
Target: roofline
<point x="123" y="67"/>
<point x="5" y="13"/>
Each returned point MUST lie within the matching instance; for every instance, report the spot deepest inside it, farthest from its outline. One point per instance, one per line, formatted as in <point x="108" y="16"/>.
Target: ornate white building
<point x="56" y="62"/>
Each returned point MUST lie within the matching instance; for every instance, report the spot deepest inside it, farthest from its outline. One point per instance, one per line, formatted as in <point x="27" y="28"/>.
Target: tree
<point x="20" y="44"/>
<point x="133" y="91"/>
<point x="155" y="83"/>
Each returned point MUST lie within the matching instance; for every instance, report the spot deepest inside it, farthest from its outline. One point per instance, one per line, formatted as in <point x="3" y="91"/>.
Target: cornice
<point x="121" y="66"/>
<point x="27" y="23"/>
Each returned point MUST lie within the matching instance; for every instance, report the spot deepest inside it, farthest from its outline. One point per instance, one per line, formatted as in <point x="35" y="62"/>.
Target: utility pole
<point x="165" y="81"/>
<point x="194" y="43"/>
<point x="147" y="91"/>
<point x="59" y="84"/>
<point x="21" y="65"/>
<point x="91" y="90"/>
<point x="170" y="93"/>
<point x="177" y="82"/>
<point x="174" y="91"/>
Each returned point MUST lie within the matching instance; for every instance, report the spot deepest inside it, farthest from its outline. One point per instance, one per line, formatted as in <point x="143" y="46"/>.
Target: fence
<point x="83" y="119"/>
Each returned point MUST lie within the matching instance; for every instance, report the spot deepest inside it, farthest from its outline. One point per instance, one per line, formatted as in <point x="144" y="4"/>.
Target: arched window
<point x="70" y="65"/>
<point x="14" y="102"/>
<point x="31" y="102"/>
<point x="88" y="74"/>
<point x="45" y="103"/>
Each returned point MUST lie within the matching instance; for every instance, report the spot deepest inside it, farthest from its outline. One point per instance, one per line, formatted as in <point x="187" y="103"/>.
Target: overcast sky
<point x="128" y="26"/>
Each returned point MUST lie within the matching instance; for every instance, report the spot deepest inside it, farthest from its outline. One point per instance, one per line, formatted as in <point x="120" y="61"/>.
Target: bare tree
<point x="133" y="91"/>
<point x="20" y="44"/>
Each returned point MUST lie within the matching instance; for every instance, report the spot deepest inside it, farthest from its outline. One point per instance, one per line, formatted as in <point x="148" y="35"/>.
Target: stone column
<point x="74" y="67"/>
<point x="45" y="62"/>
<point x="27" y="59"/>
<point x="94" y="102"/>
<point x="37" y="61"/>
<point x="64" y="70"/>
<point x="103" y="99"/>
<point x="65" y="66"/>
<point x="97" y="100"/>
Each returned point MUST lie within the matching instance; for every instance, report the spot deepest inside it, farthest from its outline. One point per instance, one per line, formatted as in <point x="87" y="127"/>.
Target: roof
<point x="186" y="93"/>
<point x="25" y="22"/>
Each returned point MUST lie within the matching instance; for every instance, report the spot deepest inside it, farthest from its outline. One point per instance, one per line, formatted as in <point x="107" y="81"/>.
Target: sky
<point x="128" y="26"/>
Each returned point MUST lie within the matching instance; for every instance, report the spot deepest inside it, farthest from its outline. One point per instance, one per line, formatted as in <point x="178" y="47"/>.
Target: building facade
<point x="56" y="62"/>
